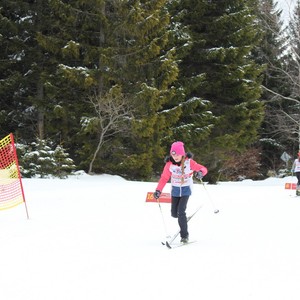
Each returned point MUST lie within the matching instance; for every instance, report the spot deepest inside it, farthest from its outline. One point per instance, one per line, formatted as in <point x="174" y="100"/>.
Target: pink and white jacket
<point x="181" y="183"/>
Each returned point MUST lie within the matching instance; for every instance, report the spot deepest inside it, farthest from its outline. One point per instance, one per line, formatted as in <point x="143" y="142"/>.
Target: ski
<point x="179" y="245"/>
<point x="295" y="196"/>
<point x="169" y="242"/>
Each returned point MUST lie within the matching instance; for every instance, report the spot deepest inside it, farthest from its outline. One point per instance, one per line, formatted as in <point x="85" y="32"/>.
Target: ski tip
<point x="163" y="243"/>
<point x="168" y="245"/>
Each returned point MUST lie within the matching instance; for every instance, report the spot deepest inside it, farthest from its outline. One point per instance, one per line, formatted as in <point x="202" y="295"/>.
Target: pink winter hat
<point x="177" y="148"/>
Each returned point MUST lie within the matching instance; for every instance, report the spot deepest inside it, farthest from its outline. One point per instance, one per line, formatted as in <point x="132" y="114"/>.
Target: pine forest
<point x="106" y="86"/>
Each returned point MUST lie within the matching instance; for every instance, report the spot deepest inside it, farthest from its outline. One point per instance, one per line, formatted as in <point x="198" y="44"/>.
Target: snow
<point x="95" y="237"/>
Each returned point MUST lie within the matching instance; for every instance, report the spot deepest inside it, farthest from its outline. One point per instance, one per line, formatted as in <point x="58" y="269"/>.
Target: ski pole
<point x="163" y="219"/>
<point x="209" y="197"/>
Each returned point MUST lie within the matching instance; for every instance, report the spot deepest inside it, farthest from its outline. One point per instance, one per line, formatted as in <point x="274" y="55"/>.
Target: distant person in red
<point x="180" y="168"/>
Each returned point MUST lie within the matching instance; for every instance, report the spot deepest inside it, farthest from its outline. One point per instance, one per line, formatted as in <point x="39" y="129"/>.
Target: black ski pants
<point x="178" y="208"/>
<point x="298" y="177"/>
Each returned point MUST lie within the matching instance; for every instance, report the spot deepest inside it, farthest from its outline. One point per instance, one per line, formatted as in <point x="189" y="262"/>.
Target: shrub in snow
<point x="63" y="164"/>
<point x="39" y="160"/>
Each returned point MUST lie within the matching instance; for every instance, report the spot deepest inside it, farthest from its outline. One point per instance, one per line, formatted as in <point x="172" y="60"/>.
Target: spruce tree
<point x="42" y="159"/>
<point x="12" y="88"/>
<point x="37" y="159"/>
<point x="32" y="68"/>
<point x="196" y="120"/>
<point x="64" y="165"/>
<point x="224" y="33"/>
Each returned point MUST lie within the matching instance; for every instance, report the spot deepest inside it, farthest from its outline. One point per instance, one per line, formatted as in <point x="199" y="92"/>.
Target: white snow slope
<point x="95" y="237"/>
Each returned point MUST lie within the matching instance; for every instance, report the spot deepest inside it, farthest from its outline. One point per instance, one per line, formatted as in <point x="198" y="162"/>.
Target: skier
<point x="179" y="167"/>
<point x="296" y="170"/>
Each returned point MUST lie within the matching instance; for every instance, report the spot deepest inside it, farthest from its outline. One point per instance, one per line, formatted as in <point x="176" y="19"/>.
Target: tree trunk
<point x="41" y="113"/>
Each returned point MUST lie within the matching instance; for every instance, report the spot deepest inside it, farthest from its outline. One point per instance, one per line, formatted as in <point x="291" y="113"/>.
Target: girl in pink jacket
<point x="180" y="168"/>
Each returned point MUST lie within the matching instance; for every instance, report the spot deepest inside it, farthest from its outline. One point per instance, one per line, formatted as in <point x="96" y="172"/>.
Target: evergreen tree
<point x="293" y="60"/>
<point x="196" y="120"/>
<point x="12" y="92"/>
<point x="271" y="53"/>
<point x="280" y="130"/>
<point x="151" y="70"/>
<point x="289" y="104"/>
<point x="185" y="69"/>
<point x="41" y="159"/>
<point x="37" y="160"/>
<point x="31" y="71"/>
<point x="224" y="33"/>
<point x="122" y="43"/>
<point x="64" y="165"/>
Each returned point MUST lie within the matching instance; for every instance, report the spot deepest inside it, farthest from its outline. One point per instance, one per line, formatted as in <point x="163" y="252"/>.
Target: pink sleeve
<point x="164" y="178"/>
<point x="197" y="167"/>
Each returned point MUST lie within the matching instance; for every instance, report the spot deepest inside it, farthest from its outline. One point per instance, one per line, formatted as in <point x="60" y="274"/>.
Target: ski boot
<point x="184" y="240"/>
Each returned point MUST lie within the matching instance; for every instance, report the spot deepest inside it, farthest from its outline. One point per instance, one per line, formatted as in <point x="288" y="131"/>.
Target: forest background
<point x="107" y="86"/>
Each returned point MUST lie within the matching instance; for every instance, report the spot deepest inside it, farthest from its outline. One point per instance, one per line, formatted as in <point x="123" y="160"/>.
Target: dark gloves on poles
<point x="199" y="175"/>
<point x="156" y="194"/>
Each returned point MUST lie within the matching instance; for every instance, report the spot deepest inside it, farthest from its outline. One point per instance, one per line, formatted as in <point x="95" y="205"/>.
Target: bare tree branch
<point x="112" y="117"/>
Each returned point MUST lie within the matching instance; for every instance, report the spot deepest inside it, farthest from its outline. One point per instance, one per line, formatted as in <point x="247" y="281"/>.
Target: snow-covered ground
<point x="95" y="237"/>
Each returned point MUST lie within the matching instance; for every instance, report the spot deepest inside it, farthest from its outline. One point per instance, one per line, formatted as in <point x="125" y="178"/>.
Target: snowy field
<point x="95" y="237"/>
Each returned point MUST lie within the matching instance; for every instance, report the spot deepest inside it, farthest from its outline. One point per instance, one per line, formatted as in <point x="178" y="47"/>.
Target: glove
<point x="199" y="175"/>
<point x="156" y="194"/>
